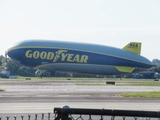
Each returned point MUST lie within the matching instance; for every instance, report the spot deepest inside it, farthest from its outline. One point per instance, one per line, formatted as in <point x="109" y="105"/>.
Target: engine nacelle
<point x="39" y="72"/>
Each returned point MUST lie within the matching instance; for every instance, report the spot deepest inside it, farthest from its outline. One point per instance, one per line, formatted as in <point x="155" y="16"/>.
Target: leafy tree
<point x="156" y="61"/>
<point x="13" y="67"/>
<point x="18" y="69"/>
<point x="1" y="62"/>
<point x="157" y="67"/>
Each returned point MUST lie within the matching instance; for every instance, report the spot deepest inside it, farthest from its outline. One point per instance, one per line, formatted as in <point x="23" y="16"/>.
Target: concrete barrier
<point x="27" y="78"/>
<point x="110" y="82"/>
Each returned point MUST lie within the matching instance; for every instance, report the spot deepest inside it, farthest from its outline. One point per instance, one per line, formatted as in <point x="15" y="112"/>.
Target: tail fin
<point x="134" y="47"/>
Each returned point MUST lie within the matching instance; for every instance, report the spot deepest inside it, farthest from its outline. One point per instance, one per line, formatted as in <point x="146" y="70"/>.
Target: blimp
<point x="73" y="57"/>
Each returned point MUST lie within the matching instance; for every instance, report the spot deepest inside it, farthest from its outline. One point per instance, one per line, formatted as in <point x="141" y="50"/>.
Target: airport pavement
<point x="43" y="96"/>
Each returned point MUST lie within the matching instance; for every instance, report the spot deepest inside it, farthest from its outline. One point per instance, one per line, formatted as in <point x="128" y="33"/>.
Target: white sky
<point x="108" y="22"/>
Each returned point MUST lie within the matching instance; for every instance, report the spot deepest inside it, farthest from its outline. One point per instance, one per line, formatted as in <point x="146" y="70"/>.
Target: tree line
<point x="15" y="68"/>
<point x="18" y="69"/>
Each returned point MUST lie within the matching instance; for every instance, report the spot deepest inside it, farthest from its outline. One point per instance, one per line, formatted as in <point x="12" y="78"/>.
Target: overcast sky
<point x="107" y="22"/>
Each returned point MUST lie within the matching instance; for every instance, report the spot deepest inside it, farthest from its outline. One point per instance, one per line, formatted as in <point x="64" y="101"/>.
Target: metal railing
<point x="42" y="116"/>
<point x="67" y="113"/>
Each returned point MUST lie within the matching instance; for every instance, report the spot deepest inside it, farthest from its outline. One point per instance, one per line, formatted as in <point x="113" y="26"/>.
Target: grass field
<point x="153" y="94"/>
<point x="74" y="78"/>
<point x="1" y="90"/>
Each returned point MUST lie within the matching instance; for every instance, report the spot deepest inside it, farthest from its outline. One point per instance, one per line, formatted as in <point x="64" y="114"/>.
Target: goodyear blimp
<point x="47" y="55"/>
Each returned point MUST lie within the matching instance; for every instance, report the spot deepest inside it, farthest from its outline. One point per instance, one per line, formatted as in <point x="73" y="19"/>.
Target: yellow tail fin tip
<point x="134" y="47"/>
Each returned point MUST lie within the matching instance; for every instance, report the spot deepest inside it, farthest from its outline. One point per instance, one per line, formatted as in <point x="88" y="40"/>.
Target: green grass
<point x="74" y="78"/>
<point x="1" y="90"/>
<point x="153" y="94"/>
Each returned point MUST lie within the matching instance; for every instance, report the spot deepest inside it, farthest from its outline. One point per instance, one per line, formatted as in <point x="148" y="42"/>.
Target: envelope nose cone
<point x="13" y="53"/>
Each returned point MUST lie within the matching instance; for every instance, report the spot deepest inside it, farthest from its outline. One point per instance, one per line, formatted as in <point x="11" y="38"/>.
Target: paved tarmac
<point x="42" y="96"/>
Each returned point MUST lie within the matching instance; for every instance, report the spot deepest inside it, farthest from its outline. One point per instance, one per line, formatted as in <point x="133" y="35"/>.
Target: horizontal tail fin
<point x="134" y="47"/>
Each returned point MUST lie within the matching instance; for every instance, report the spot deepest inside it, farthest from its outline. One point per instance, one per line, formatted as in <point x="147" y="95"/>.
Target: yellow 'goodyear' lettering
<point x="54" y="56"/>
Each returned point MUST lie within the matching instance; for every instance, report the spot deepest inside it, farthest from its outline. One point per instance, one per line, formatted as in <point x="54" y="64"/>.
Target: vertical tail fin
<point x="134" y="47"/>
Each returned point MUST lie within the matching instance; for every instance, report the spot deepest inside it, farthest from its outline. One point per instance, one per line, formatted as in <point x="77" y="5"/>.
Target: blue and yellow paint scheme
<point x="79" y="57"/>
